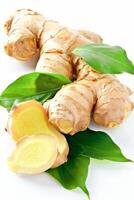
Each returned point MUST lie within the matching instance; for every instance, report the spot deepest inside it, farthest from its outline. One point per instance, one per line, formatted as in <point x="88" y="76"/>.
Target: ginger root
<point x="104" y="94"/>
<point x="70" y="110"/>
<point x="29" y="118"/>
<point x="34" y="154"/>
<point x="29" y="32"/>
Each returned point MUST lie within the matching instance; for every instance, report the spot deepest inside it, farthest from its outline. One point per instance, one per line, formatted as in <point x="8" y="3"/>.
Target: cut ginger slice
<point x="30" y="118"/>
<point x="34" y="154"/>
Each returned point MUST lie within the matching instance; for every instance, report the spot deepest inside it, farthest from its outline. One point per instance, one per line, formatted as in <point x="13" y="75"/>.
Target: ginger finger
<point x="91" y="36"/>
<point x="22" y="34"/>
<point x="70" y="109"/>
<point x="113" y="104"/>
<point x="55" y="63"/>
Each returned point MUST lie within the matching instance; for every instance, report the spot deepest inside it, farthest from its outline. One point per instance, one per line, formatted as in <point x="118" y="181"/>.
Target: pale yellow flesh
<point x="29" y="118"/>
<point x="34" y="155"/>
<point x="65" y="125"/>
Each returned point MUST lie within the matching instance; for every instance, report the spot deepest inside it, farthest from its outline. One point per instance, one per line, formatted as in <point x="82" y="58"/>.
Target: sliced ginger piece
<point x="34" y="154"/>
<point x="30" y="118"/>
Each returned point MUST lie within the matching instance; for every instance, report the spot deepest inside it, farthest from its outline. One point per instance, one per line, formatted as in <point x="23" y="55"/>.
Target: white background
<point x="113" y="20"/>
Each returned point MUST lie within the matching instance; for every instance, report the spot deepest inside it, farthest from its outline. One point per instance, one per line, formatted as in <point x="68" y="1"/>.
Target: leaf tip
<point x="85" y="190"/>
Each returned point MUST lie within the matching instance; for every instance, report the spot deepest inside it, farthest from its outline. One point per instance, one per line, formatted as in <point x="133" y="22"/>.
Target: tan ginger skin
<point x="100" y="94"/>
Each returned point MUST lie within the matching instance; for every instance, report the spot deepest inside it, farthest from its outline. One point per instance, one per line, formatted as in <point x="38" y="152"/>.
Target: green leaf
<point x="39" y="86"/>
<point x="73" y="173"/>
<point x="95" y="144"/>
<point x="83" y="146"/>
<point x="105" y="58"/>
